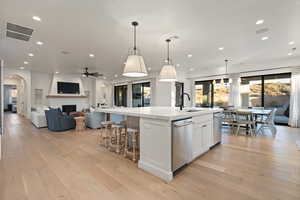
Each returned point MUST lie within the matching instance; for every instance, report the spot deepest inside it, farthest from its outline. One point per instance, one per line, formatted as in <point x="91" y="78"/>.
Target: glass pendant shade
<point x="135" y="66"/>
<point x="168" y="73"/>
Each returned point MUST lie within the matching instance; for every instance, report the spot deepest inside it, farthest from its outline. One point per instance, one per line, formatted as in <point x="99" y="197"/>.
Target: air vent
<point x="18" y="32"/>
<point x="263" y="30"/>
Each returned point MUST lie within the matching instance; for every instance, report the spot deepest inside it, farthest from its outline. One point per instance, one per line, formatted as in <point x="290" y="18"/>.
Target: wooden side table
<point x="80" y="123"/>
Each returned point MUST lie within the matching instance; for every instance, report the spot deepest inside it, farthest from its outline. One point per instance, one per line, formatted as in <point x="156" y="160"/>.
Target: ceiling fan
<point x="86" y="73"/>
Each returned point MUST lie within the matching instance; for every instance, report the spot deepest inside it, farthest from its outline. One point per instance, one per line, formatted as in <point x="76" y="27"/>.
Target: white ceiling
<point x="103" y="28"/>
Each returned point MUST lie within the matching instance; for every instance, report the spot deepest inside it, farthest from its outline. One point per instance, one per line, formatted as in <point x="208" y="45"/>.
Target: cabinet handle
<point x="204" y="126"/>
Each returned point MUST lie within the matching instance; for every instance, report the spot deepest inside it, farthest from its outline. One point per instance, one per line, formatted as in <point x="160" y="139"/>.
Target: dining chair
<point x="229" y="119"/>
<point x="268" y="122"/>
<point x="245" y="118"/>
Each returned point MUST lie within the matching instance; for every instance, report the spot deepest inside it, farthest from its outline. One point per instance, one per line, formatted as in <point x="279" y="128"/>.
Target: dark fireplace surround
<point x="68" y="108"/>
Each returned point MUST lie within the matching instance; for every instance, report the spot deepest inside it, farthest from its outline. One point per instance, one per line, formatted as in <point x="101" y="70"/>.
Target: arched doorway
<point x="15" y="95"/>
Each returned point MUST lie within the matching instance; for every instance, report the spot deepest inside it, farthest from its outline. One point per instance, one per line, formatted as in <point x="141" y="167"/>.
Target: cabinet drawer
<point x="203" y="118"/>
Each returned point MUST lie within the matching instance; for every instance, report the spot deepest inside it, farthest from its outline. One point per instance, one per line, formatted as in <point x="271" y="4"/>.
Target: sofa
<point x="94" y="119"/>
<point x="57" y="121"/>
<point x="38" y="117"/>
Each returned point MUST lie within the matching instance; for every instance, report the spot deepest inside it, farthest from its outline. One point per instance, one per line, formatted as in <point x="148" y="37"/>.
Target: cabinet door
<point x="197" y="140"/>
<point x="207" y="135"/>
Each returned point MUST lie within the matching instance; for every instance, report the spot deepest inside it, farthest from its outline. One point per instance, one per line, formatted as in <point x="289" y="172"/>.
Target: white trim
<point x="165" y="175"/>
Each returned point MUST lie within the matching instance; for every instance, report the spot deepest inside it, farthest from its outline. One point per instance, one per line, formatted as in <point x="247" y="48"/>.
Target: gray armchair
<point x="94" y="119"/>
<point x="56" y="121"/>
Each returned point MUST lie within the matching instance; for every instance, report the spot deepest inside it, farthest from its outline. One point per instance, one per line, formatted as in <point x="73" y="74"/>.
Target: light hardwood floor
<point x="41" y="165"/>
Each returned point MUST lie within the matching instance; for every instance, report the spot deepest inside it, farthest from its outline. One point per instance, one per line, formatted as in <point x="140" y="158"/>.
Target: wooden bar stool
<point x="133" y="148"/>
<point x="115" y="141"/>
<point x="105" y="133"/>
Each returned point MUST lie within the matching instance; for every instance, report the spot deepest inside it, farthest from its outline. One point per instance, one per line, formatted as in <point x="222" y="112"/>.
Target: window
<point x="268" y="91"/>
<point x="141" y="94"/>
<point x="121" y="95"/>
<point x="208" y="94"/>
<point x="179" y="94"/>
<point x="251" y="89"/>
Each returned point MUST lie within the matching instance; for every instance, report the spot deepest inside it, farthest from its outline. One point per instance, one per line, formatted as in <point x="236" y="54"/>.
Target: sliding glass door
<point x="121" y="95"/>
<point x="251" y="89"/>
<point x="209" y="94"/>
<point x="141" y="94"/>
<point x="268" y="91"/>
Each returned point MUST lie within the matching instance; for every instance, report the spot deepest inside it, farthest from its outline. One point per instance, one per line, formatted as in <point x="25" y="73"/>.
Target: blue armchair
<point x="94" y="119"/>
<point x="56" y="121"/>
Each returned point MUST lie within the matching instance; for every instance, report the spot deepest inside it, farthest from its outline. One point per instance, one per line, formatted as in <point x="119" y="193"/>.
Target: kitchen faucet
<point x="188" y="96"/>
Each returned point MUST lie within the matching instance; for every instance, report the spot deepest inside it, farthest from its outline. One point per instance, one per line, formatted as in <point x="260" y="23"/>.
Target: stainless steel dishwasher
<point x="181" y="143"/>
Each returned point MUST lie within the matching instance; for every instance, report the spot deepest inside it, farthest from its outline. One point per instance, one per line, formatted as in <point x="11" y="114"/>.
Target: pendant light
<point x="168" y="71"/>
<point x="222" y="80"/>
<point x="135" y="65"/>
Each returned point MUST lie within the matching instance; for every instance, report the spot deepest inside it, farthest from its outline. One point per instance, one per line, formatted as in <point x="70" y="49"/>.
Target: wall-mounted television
<point x="67" y="88"/>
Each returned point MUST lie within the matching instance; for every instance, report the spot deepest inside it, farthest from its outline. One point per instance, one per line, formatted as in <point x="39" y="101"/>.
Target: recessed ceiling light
<point x="189" y="55"/>
<point x="291" y="43"/>
<point x="177" y="65"/>
<point x="261" y="21"/>
<point x="31" y="54"/>
<point x="104" y="77"/>
<point x="264" y="38"/>
<point x="116" y="75"/>
<point x="56" y="72"/>
<point x="290" y="54"/>
<point x="221" y="48"/>
<point x="22" y="67"/>
<point x="191" y="69"/>
<point x="149" y="68"/>
<point x="91" y="55"/>
<point x="25" y="62"/>
<point x="166" y="61"/>
<point x="39" y="43"/>
<point x="37" y="18"/>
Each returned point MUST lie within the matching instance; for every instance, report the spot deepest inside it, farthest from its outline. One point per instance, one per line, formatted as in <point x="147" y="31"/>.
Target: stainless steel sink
<point x="193" y="110"/>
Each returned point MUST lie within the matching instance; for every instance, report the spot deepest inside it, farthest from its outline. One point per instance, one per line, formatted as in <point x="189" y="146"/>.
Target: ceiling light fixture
<point x="189" y="55"/>
<point x="39" y="43"/>
<point x="221" y="48"/>
<point x="135" y="65"/>
<point x="177" y="65"/>
<point x="258" y="22"/>
<point x="91" y="55"/>
<point x="264" y="38"/>
<point x="290" y="54"/>
<point x="31" y="54"/>
<point x="168" y="71"/>
<point x="37" y="18"/>
<point x="22" y="67"/>
<point x="56" y="72"/>
<point x="191" y="69"/>
<point x="25" y="62"/>
<point x="116" y="75"/>
<point x="291" y="43"/>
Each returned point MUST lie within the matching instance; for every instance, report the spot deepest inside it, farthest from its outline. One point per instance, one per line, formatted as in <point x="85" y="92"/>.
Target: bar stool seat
<point x="133" y="149"/>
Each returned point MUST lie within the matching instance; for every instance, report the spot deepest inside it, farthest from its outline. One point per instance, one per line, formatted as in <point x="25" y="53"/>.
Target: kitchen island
<point x="156" y="135"/>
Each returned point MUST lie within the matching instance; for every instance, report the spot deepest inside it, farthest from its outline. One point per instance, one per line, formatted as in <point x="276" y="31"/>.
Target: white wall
<point x="40" y="81"/>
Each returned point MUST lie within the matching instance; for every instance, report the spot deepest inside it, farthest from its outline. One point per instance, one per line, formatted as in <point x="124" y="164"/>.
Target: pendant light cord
<point x="134" y="24"/>
<point x="168" y="50"/>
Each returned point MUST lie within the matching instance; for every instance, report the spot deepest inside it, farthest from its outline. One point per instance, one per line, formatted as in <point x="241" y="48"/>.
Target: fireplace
<point x="68" y="108"/>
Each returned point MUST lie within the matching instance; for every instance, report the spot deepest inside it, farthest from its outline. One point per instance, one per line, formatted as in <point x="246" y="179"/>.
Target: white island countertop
<point x="164" y="113"/>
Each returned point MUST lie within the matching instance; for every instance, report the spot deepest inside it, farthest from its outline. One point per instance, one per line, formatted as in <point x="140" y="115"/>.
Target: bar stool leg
<point x="134" y="146"/>
<point x="118" y="132"/>
<point x="126" y="144"/>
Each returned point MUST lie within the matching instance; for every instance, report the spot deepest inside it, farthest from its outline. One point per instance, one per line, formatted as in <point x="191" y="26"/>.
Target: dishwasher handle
<point x="181" y="125"/>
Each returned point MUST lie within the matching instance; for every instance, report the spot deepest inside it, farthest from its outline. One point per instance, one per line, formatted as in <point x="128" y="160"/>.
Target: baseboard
<point x="167" y="176"/>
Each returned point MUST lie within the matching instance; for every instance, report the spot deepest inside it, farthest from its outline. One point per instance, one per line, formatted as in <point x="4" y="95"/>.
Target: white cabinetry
<point x="202" y="135"/>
